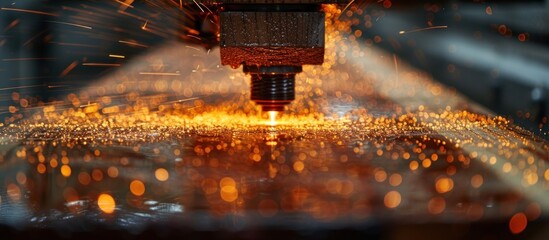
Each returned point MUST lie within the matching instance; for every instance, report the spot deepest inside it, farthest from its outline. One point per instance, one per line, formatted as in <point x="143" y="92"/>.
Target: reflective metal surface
<point x="370" y="148"/>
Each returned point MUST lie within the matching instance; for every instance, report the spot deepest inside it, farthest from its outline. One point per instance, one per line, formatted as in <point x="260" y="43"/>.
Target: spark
<point x="182" y="100"/>
<point x="29" y="11"/>
<point x="34" y="37"/>
<point x="131" y="15"/>
<point x="207" y="8"/>
<point x="213" y="22"/>
<point x="74" y="44"/>
<point x="145" y="25"/>
<point x="11" y="25"/>
<point x="88" y="105"/>
<point x="25" y="59"/>
<point x="58" y="86"/>
<point x="346" y="6"/>
<point x="422" y="29"/>
<point x="20" y="87"/>
<point x="133" y="43"/>
<point x="72" y="24"/>
<point x="396" y="65"/>
<point x="27" y="78"/>
<point x="198" y="5"/>
<point x="102" y="64"/>
<point x="197" y="49"/>
<point x="69" y="68"/>
<point x="125" y="4"/>
<point x="198" y="38"/>
<point x="116" y="56"/>
<point x="160" y="73"/>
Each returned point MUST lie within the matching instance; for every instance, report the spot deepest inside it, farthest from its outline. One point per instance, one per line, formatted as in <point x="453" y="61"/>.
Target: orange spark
<point x="102" y="64"/>
<point x="25" y="59"/>
<point x="69" y="68"/>
<point x="145" y="25"/>
<point x="160" y="73"/>
<point x="198" y="5"/>
<point x="126" y="4"/>
<point x="133" y="43"/>
<point x="72" y="24"/>
<point x="29" y="11"/>
<point x="116" y="56"/>
<point x="422" y="29"/>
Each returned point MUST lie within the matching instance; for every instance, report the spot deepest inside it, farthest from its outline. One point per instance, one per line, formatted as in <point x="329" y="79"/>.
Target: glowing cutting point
<point x="272" y="117"/>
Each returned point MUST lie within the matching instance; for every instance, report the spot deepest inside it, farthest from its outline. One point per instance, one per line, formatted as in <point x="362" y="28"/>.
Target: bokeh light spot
<point x="392" y="199"/>
<point x="137" y="188"/>
<point x="106" y="203"/>
<point x="162" y="174"/>
<point x="518" y="223"/>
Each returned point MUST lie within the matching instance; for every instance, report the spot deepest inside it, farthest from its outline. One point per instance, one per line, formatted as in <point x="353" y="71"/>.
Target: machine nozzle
<point x="272" y="87"/>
